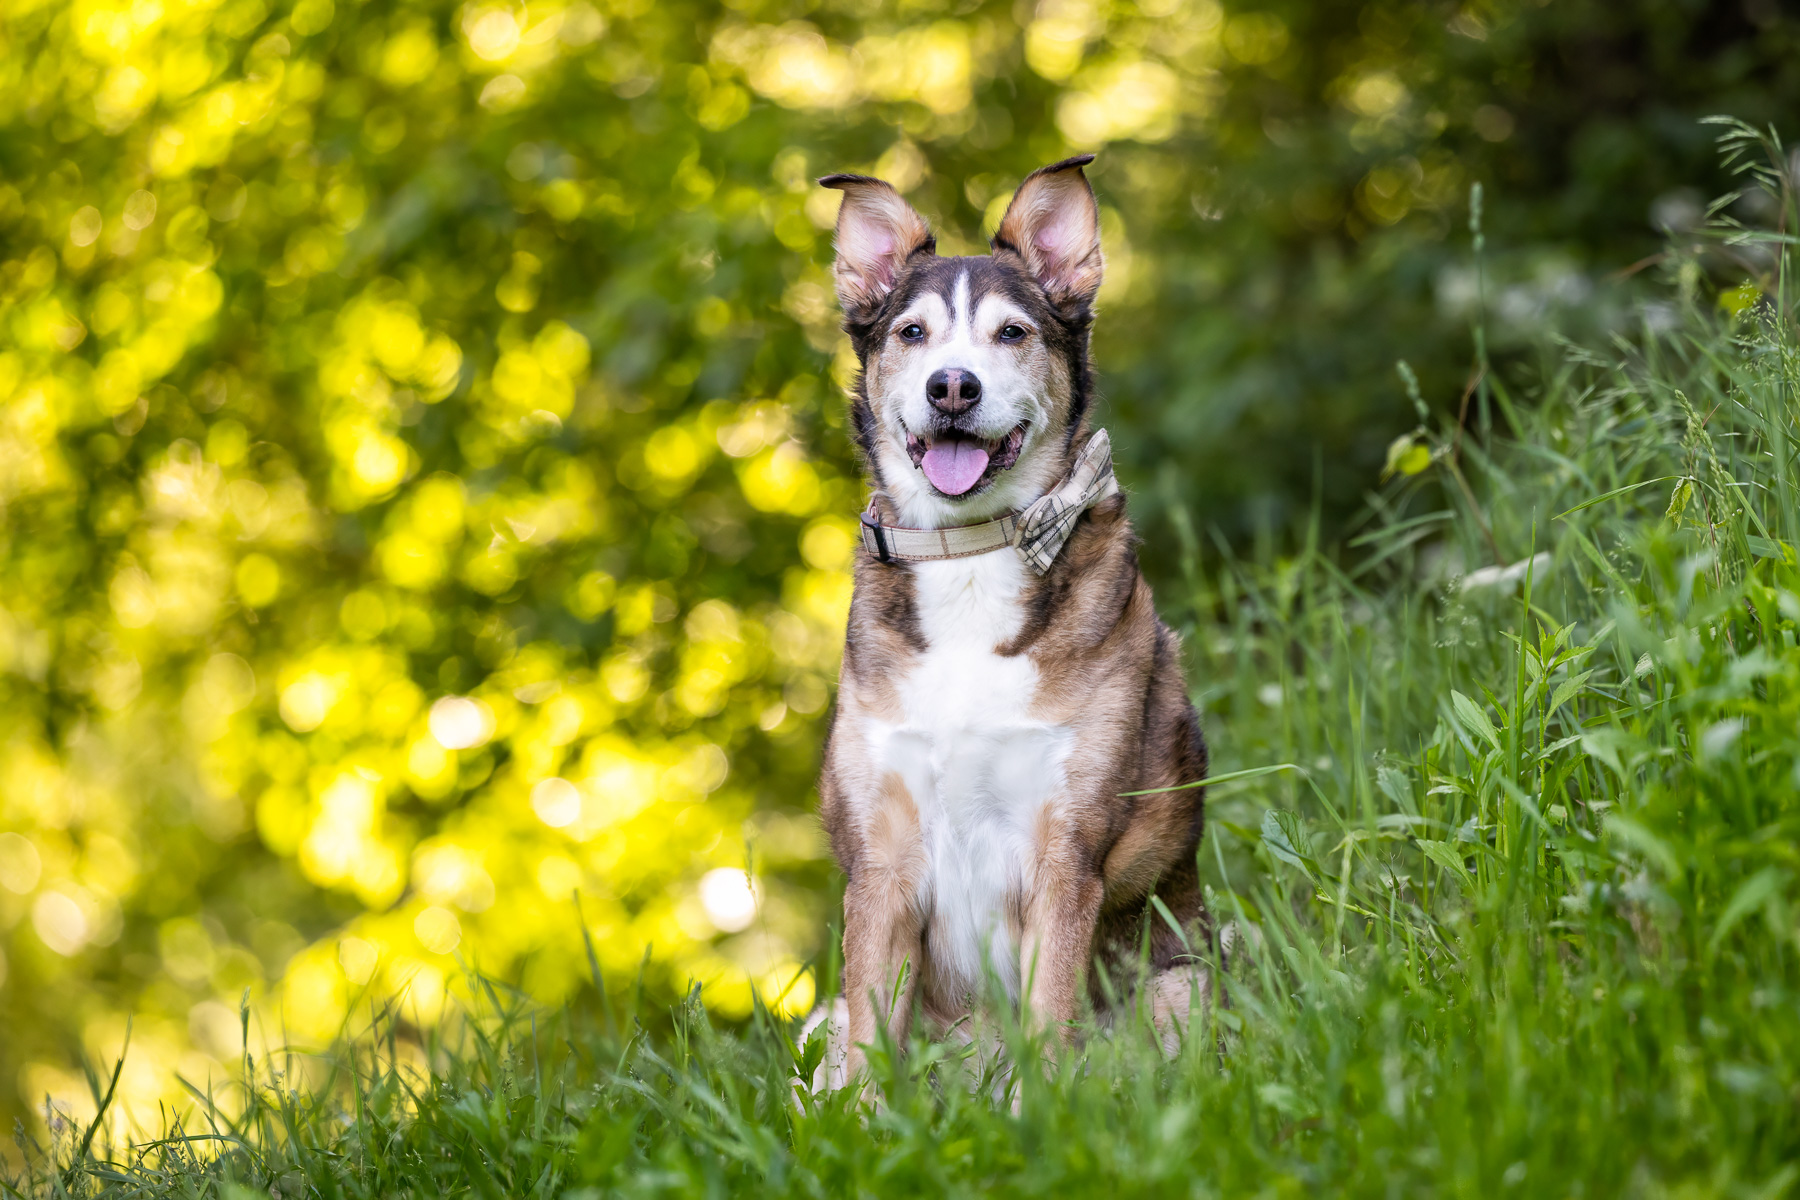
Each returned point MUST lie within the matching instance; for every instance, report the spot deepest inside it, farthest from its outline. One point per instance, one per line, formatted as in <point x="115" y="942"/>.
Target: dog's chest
<point x="981" y="769"/>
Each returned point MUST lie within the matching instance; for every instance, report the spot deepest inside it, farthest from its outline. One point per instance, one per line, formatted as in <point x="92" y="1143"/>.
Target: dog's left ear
<point x="877" y="232"/>
<point x="1053" y="223"/>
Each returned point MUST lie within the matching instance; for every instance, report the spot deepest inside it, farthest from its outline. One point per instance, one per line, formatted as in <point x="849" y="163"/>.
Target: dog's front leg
<point x="881" y="963"/>
<point x="1057" y="945"/>
<point x="883" y="926"/>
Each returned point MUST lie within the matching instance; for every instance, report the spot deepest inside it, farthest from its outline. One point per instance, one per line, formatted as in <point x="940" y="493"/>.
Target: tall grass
<point x="1517" y="906"/>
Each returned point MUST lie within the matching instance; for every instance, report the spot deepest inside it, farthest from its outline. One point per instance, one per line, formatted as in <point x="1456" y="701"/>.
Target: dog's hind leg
<point x="1156" y="956"/>
<point x="1175" y="990"/>
<point x="1179" y="996"/>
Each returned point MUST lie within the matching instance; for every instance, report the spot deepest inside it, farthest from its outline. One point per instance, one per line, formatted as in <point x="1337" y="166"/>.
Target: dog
<point x="1006" y="684"/>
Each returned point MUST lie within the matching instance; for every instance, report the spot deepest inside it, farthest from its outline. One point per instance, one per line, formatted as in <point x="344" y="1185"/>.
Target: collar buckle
<point x="875" y="538"/>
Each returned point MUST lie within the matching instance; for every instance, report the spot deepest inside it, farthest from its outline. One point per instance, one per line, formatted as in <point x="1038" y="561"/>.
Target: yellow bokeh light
<point x="314" y="995"/>
<point x="931" y="65"/>
<point x="411" y="561"/>
<point x="558" y="877"/>
<point x="1056" y="41"/>
<point x="397" y="339"/>
<point x="781" y="480"/>
<point x="61" y="922"/>
<point x="671" y="453"/>
<point x="409" y="55"/>
<point x="493" y="33"/>
<point x="829" y="543"/>
<point x="422" y="992"/>
<point x="21" y="866"/>
<point x="792" y="64"/>
<point x="437" y="929"/>
<point x="378" y="462"/>
<point x="729" y="897"/>
<point x="359" y="958"/>
<point x="307" y="700"/>
<point x="1132" y="99"/>
<point x="557" y="802"/>
<point x="461" y="722"/>
<point x="1376" y="94"/>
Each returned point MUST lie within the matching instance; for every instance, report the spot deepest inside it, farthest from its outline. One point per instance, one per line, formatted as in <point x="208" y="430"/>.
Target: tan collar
<point x="1037" y="533"/>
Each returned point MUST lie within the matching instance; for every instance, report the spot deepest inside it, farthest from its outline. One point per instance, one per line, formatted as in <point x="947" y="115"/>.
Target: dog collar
<point x="1037" y="532"/>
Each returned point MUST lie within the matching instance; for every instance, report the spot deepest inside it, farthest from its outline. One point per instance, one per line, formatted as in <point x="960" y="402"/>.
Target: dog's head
<point x="975" y="378"/>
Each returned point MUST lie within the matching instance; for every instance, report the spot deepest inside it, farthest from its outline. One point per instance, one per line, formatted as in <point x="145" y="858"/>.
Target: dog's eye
<point x="1011" y="333"/>
<point x="913" y="332"/>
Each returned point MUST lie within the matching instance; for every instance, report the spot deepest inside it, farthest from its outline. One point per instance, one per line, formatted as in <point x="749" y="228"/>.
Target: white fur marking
<point x="979" y="767"/>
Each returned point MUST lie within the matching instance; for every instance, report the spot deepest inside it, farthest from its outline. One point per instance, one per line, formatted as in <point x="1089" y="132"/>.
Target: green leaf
<point x="1736" y="300"/>
<point x="1284" y="833"/>
<point x="1566" y="690"/>
<point x="1450" y="857"/>
<point x="1678" y="500"/>
<point x="1405" y="456"/>
<point x="1769" y="548"/>
<point x="813" y="1053"/>
<point x="1603" y="744"/>
<point x="1473" y="719"/>
<point x="1228" y="777"/>
<point x="1557" y="747"/>
<point x="1620" y="491"/>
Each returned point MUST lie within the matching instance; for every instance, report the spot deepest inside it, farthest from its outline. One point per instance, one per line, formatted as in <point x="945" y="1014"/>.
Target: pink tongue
<point x="954" y="467"/>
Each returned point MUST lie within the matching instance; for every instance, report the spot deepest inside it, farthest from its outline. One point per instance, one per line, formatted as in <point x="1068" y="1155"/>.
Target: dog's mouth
<point x="956" y="464"/>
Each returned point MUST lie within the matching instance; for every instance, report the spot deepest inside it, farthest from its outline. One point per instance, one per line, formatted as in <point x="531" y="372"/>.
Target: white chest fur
<point x="980" y="769"/>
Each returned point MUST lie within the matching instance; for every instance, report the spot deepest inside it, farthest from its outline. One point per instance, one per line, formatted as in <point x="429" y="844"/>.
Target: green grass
<point x="1521" y="915"/>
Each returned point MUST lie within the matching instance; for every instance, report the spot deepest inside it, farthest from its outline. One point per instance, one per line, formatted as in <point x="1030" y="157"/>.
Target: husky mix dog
<point x="1006" y="683"/>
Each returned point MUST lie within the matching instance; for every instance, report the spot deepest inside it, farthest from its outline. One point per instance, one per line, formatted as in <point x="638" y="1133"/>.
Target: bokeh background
<point x="424" y="498"/>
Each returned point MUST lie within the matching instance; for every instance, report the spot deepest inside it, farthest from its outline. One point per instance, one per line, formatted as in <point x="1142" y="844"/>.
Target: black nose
<point x="952" y="390"/>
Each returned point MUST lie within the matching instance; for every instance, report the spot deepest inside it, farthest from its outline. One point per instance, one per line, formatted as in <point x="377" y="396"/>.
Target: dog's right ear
<point x="877" y="231"/>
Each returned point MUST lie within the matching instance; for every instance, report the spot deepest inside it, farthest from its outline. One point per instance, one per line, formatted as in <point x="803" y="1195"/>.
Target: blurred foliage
<point x="424" y="504"/>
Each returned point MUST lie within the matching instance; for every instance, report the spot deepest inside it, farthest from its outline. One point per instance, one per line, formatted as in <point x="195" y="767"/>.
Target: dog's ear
<point x="1053" y="223"/>
<point x="877" y="231"/>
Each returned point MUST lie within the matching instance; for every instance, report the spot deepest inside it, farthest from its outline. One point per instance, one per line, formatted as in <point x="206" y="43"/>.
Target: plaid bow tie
<point x="1037" y="533"/>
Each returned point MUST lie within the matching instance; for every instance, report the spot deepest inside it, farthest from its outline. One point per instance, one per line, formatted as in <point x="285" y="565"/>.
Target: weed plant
<point x="1506" y="819"/>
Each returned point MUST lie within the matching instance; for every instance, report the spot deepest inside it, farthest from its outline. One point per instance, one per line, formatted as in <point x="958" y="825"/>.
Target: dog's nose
<point x="952" y="390"/>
